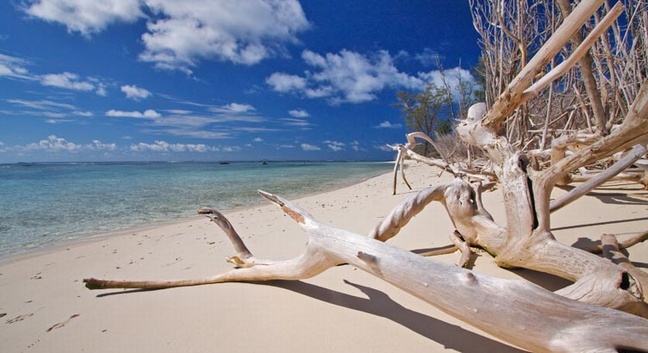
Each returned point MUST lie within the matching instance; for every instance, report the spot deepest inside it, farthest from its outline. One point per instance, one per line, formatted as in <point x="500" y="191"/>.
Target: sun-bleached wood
<point x="637" y="152"/>
<point x="543" y="321"/>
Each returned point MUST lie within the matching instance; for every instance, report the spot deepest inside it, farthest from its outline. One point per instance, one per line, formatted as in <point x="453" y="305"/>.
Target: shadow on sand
<point x="380" y="304"/>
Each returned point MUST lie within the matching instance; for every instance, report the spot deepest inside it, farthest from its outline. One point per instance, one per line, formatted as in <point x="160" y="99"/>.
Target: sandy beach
<point x="44" y="306"/>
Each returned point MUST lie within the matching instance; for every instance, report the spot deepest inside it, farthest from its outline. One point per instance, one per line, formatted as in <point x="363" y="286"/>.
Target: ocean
<point x="43" y="204"/>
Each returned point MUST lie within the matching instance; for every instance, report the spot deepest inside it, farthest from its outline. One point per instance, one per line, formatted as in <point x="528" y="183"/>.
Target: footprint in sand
<point x="63" y="323"/>
<point x="20" y="318"/>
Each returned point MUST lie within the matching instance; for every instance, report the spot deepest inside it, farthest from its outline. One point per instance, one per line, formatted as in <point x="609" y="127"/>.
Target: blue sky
<point x="128" y="80"/>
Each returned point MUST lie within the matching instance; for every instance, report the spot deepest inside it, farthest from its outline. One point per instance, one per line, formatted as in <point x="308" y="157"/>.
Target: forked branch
<point x="557" y="324"/>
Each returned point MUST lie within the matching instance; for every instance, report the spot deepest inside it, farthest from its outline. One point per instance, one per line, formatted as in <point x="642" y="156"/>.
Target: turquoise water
<point x="45" y="204"/>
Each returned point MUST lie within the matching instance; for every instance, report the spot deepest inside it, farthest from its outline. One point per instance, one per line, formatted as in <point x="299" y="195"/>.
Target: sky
<point x="215" y="80"/>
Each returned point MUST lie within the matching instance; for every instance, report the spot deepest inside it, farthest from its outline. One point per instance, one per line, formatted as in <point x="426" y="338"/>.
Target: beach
<point x="46" y="308"/>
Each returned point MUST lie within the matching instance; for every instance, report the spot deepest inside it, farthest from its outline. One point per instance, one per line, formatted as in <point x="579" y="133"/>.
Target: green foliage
<point x="435" y="110"/>
<point x="421" y="110"/>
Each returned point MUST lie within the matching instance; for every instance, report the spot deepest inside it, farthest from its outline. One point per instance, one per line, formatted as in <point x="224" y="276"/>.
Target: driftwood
<point x="543" y="321"/>
<point x="526" y="241"/>
<point x="405" y="152"/>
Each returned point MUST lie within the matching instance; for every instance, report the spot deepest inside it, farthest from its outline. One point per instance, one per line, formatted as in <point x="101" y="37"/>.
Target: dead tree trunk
<point x="543" y="321"/>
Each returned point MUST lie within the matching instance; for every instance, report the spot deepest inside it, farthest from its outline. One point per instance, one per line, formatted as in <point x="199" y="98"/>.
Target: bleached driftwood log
<point x="637" y="152"/>
<point x="517" y="312"/>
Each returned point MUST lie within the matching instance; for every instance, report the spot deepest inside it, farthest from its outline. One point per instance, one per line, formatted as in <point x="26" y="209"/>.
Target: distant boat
<point x="265" y="163"/>
<point x="223" y="162"/>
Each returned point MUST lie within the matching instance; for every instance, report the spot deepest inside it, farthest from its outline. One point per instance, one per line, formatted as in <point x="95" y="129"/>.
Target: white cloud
<point x="179" y="111"/>
<point x="428" y="57"/>
<point x="163" y="146"/>
<point x="13" y="67"/>
<point x="41" y="104"/>
<point x="356" y="78"/>
<point x="388" y="125"/>
<point x="350" y="77"/>
<point x="296" y="122"/>
<point x="242" y="32"/>
<point x="72" y="81"/>
<point x="135" y="93"/>
<point x="53" y="143"/>
<point x="384" y="148"/>
<point x="239" y="108"/>
<point x="181" y="33"/>
<point x="98" y="145"/>
<point x="85" y="17"/>
<point x="282" y="82"/>
<point x="66" y="80"/>
<point x="309" y="147"/>
<point x="49" y="109"/>
<point x="334" y="145"/>
<point x="101" y="90"/>
<point x="299" y="113"/>
<point x="147" y="114"/>
<point x="209" y="124"/>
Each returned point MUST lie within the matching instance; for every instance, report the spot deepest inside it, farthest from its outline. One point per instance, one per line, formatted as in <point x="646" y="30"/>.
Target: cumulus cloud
<point x="299" y="113"/>
<point x="388" y="125"/>
<point x="351" y="77"/>
<point x="98" y="145"/>
<point x="181" y="33"/>
<point x="53" y="143"/>
<point x="285" y="83"/>
<point x="242" y="32"/>
<point x="135" y="93"/>
<point x="85" y="17"/>
<point x="309" y="147"/>
<point x="147" y="114"/>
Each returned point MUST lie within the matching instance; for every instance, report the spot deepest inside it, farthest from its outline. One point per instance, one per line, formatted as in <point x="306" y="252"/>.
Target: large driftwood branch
<point x="517" y="312"/>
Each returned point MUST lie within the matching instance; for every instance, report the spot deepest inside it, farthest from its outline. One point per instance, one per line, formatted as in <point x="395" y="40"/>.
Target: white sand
<point x="46" y="308"/>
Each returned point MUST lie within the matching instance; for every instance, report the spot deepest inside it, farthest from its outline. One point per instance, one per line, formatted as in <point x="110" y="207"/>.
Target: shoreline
<point x="45" y="307"/>
<point x="183" y="215"/>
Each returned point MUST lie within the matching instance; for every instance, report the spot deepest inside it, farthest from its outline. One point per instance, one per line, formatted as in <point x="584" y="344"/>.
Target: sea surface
<point x="43" y="204"/>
